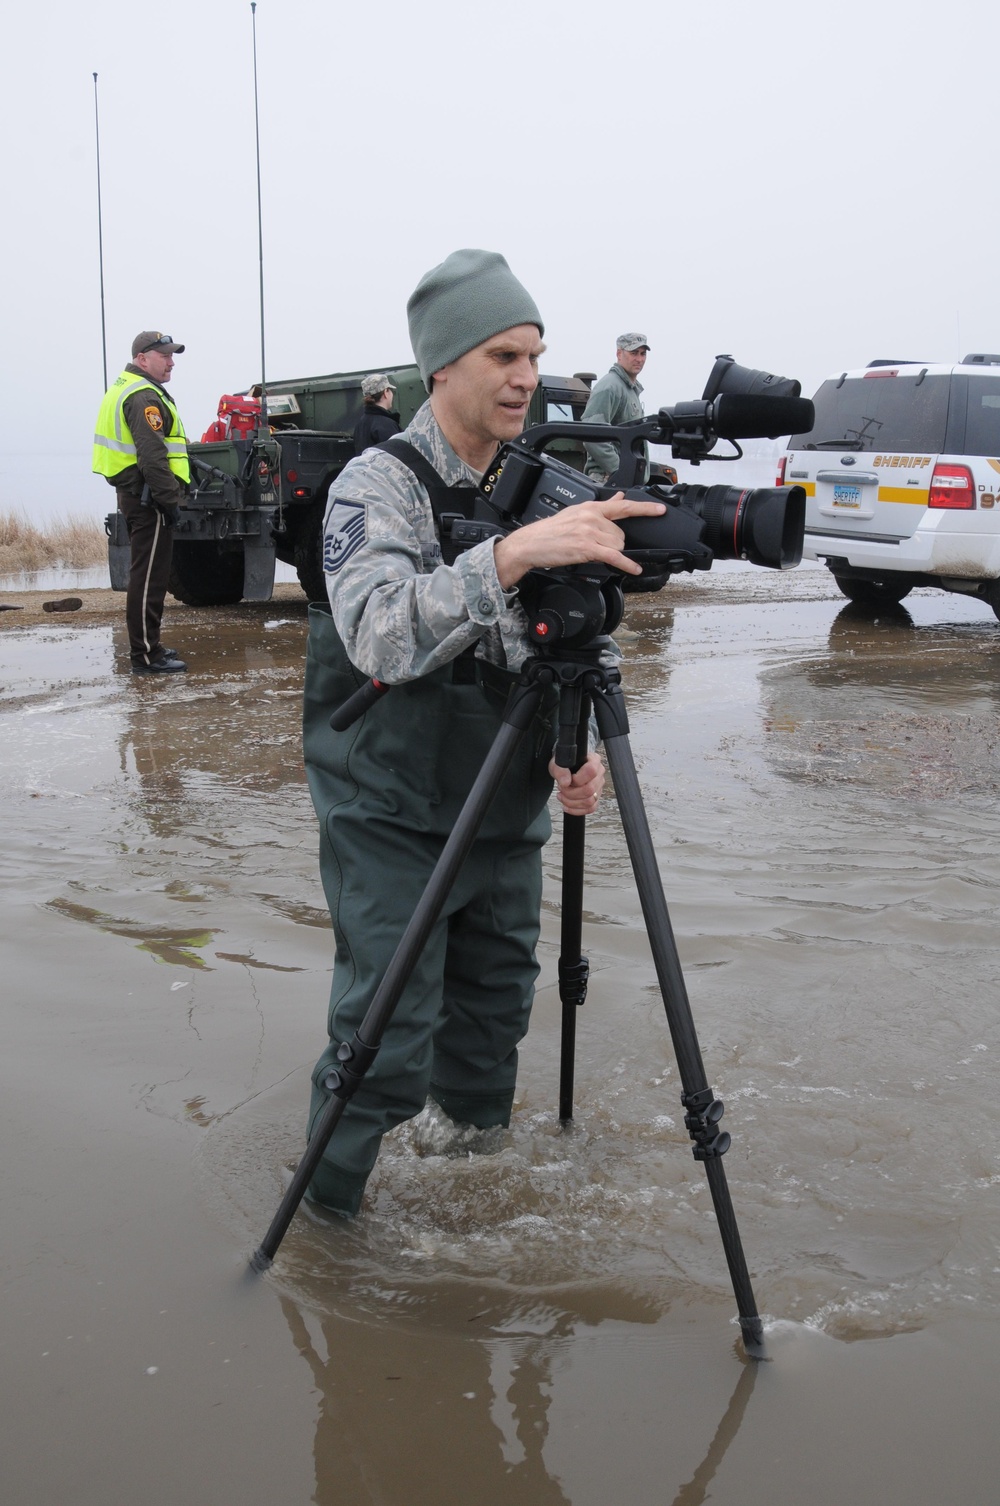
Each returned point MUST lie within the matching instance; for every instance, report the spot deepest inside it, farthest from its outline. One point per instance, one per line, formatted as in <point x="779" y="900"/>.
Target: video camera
<point x="763" y="525"/>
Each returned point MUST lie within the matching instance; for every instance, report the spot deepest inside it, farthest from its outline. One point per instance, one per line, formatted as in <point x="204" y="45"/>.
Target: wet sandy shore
<point x="553" y="1323"/>
<point x="105" y="608"/>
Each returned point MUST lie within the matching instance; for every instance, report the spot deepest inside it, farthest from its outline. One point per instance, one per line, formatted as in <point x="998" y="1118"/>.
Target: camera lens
<point x="761" y="524"/>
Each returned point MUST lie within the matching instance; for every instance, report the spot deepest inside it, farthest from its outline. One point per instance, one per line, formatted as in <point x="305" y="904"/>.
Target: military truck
<point x="260" y="496"/>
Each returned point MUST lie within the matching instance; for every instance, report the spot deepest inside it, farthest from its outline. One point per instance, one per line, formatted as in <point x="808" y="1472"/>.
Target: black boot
<point x="160" y="662"/>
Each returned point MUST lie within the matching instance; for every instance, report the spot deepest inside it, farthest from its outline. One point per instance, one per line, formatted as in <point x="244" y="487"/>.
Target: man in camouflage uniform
<point x="445" y="637"/>
<point x="616" y="399"/>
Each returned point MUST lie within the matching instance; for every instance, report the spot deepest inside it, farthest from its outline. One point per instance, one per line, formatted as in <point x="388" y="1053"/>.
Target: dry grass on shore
<point x="74" y="542"/>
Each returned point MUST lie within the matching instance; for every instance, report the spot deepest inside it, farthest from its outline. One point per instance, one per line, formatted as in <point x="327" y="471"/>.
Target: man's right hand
<point x="585" y="533"/>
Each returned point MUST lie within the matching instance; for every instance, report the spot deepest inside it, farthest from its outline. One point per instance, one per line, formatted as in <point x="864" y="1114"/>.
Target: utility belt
<point x="466" y="669"/>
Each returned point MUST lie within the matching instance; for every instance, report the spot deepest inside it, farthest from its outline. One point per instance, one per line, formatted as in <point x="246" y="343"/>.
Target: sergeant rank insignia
<point x="345" y="533"/>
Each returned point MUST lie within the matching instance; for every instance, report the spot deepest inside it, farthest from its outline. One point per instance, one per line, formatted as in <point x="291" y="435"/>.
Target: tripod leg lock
<point x="702" y="1121"/>
<point x="573" y="980"/>
<point x="355" y="1058"/>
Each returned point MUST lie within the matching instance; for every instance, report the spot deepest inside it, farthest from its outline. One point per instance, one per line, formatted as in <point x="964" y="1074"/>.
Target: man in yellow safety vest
<point x="141" y="448"/>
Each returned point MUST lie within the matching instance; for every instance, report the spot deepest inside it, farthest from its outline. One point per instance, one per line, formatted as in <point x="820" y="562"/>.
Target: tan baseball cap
<point x="151" y="339"/>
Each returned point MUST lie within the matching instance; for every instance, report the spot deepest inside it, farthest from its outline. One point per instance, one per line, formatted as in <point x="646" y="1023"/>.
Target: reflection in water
<point x="433" y="1389"/>
<point x="399" y="1421"/>
<point x="164" y="943"/>
<point x="887" y="652"/>
<point x="234" y="717"/>
<point x="645" y="643"/>
<point x="857" y="626"/>
<point x="460" y="1407"/>
<point x="249" y="961"/>
<point x="903" y="709"/>
<point x="696" y="1489"/>
<point x="211" y="769"/>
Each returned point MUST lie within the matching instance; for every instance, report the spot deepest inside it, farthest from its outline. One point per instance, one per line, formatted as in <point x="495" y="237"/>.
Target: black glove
<point x="168" y="512"/>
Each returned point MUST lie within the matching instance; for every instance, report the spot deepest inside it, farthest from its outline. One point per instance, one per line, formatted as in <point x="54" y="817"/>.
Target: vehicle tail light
<point x="951" y="486"/>
<point x="779" y="479"/>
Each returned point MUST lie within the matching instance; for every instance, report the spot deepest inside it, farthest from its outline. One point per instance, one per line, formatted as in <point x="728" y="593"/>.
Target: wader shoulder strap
<point x="446" y="501"/>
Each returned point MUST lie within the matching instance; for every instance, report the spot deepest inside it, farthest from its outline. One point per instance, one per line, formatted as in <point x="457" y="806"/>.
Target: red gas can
<point x="238" y="416"/>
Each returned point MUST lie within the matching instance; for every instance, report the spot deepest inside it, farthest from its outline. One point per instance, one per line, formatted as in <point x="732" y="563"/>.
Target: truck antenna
<point x="260" y="220"/>
<point x="100" y="235"/>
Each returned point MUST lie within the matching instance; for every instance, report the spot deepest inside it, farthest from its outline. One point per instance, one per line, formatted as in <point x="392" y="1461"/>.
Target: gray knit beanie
<point x="469" y="298"/>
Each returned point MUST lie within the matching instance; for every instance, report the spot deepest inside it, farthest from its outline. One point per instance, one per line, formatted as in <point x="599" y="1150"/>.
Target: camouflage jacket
<point x="614" y="399"/>
<point x="399" y="610"/>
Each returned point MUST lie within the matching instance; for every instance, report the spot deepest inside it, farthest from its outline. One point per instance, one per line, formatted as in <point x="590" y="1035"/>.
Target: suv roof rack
<point x="898" y="363"/>
<point x="980" y="360"/>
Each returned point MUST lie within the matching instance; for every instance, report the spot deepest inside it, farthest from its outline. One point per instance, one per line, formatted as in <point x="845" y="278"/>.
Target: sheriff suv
<point x="902" y="477"/>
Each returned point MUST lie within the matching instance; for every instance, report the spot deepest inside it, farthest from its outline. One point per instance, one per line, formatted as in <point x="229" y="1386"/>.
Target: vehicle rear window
<point x="879" y="413"/>
<point x="982" y="424"/>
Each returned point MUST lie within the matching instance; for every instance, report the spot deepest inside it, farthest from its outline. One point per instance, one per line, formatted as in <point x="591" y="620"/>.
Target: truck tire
<point x="991" y="596"/>
<point x="874" y="593"/>
<point x="205" y="575"/>
<point x="309" y="553"/>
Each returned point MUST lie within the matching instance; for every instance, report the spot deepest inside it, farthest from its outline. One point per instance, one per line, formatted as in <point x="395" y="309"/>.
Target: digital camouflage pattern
<point x="399" y="610"/>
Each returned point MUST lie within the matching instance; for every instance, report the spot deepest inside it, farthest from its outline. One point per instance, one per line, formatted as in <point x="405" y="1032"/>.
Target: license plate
<point x="846" y="496"/>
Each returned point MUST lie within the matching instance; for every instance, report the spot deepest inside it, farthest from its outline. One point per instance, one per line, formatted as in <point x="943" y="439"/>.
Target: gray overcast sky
<point x="807" y="186"/>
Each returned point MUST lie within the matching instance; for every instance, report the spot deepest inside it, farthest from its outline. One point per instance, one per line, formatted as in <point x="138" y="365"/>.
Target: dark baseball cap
<point x="151" y="339"/>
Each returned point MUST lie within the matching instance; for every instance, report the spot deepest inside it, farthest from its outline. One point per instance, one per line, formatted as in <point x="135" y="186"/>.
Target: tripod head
<point x="571" y="609"/>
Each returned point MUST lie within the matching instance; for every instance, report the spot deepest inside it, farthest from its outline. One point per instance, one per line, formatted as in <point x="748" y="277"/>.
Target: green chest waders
<point x="387" y="792"/>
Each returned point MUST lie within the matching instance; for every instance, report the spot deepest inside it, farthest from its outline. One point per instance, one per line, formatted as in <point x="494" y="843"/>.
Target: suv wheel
<point x="991" y="595"/>
<point x="873" y="593"/>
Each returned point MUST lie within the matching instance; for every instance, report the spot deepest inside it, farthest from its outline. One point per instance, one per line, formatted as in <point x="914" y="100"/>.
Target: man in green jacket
<point x="616" y="399"/>
<point x="140" y="447"/>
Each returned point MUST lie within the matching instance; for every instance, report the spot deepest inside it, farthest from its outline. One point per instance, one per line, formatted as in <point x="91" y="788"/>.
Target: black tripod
<point x="583" y="683"/>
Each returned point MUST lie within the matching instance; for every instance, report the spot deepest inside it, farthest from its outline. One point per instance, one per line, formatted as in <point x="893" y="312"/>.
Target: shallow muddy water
<point x="552" y="1323"/>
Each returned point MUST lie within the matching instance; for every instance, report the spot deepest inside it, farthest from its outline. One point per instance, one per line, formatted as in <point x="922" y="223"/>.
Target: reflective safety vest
<point x="114" y="447"/>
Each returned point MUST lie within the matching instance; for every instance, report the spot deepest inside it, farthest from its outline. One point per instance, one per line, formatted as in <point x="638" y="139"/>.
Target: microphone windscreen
<point x="740" y="416"/>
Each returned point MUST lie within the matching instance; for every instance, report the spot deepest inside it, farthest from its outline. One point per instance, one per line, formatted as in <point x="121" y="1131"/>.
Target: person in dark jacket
<point x="377" y="421"/>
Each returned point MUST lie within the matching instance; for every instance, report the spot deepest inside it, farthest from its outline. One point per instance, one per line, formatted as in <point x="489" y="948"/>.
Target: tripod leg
<point x="356" y="1056"/>
<point x="704" y="1110"/>
<point x="574" y="969"/>
<point x="573" y="966"/>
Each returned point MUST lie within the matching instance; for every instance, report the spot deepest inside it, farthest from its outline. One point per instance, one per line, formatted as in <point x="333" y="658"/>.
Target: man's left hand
<point x="579" y="793"/>
<point x="168" y="513"/>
